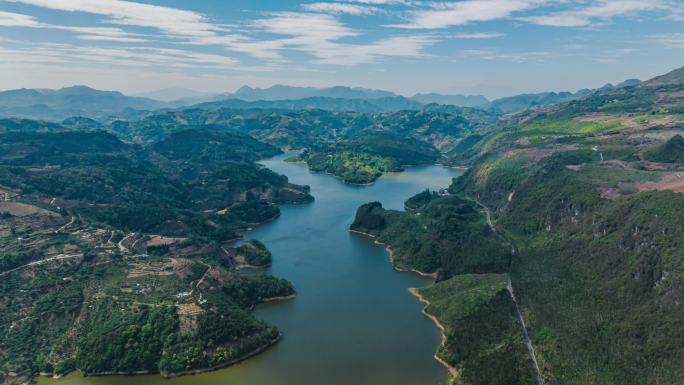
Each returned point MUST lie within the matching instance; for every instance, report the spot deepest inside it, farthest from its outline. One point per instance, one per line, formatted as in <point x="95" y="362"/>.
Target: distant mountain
<point x="281" y="92"/>
<point x="626" y="83"/>
<point x="385" y="104"/>
<point x="60" y="104"/>
<point x="176" y="94"/>
<point x="522" y="102"/>
<point x="26" y="125"/>
<point x="455" y="100"/>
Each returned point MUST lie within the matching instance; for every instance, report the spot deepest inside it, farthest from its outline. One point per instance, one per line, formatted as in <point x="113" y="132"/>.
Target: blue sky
<point x="490" y="47"/>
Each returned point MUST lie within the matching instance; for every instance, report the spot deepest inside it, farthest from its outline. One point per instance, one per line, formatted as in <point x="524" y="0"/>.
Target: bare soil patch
<point x="672" y="182"/>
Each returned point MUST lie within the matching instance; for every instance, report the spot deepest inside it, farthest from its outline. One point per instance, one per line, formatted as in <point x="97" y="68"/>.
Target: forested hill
<point x="588" y="195"/>
<point x="105" y="243"/>
<point x="439" y="125"/>
<point x="362" y="159"/>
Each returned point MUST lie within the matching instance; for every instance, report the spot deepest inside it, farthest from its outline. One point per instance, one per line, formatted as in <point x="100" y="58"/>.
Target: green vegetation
<point x="541" y="126"/>
<point x="671" y="151"/>
<point x="364" y="158"/>
<point x="128" y="245"/>
<point x="351" y="167"/>
<point x="598" y="264"/>
<point x="420" y="200"/>
<point x="213" y="146"/>
<point x="134" y="189"/>
<point x="439" y="126"/>
<point x="255" y="253"/>
<point x="447" y="236"/>
<point x="483" y="337"/>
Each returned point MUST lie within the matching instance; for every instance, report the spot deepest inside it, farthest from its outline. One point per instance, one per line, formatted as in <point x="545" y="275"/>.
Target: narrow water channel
<point x="353" y="321"/>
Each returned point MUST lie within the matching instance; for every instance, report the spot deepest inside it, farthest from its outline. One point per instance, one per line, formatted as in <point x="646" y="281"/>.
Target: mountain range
<point x="57" y="105"/>
<point x="70" y="101"/>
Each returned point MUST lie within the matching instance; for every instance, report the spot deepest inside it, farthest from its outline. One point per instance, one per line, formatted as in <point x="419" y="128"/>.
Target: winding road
<point x="509" y="287"/>
<point x="41" y="262"/>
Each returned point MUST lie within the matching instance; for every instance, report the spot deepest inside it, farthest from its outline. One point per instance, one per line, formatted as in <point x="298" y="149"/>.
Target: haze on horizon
<point x="489" y="47"/>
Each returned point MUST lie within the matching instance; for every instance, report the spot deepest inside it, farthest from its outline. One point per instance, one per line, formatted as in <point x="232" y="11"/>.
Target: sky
<point x="488" y="47"/>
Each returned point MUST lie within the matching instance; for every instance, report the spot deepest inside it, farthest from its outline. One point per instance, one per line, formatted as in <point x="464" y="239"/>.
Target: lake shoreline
<point x="433" y="276"/>
<point x="452" y="370"/>
<point x="280" y="298"/>
<point x="176" y="374"/>
<point x="321" y="265"/>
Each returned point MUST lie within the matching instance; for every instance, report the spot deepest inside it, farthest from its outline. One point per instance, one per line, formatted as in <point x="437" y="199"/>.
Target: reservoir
<point x="353" y="321"/>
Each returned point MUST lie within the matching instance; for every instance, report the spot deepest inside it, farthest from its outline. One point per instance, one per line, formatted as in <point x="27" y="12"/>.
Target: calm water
<point x="353" y="321"/>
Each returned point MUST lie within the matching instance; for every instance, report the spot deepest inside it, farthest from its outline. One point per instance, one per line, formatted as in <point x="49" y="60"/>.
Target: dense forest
<point x="446" y="236"/>
<point x="482" y="334"/>
<point x="440" y="126"/>
<point x="362" y="159"/>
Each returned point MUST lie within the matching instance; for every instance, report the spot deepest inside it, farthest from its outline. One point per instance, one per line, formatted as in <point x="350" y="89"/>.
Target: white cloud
<point x="169" y="20"/>
<point x="341" y="8"/>
<point x="601" y="11"/>
<point x="8" y="19"/>
<point x="307" y="27"/>
<point x="478" y="35"/>
<point x="382" y="2"/>
<point x="318" y="34"/>
<point x="143" y="57"/>
<point x="323" y="39"/>
<point x="397" y="46"/>
<point x="448" y="14"/>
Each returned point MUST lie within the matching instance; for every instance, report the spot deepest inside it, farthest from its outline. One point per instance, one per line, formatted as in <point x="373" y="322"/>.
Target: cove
<point x="353" y="321"/>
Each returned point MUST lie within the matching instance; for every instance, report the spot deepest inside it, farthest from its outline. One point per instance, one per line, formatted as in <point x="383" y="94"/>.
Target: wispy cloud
<point x="323" y="39"/>
<point x="9" y="19"/>
<point x="169" y="20"/>
<point x="478" y="35"/>
<point x="320" y="33"/>
<point x="600" y="12"/>
<point x="518" y="57"/>
<point x="115" y="56"/>
<point x="341" y="8"/>
<point x="383" y="2"/>
<point x="448" y="14"/>
<point x="315" y="35"/>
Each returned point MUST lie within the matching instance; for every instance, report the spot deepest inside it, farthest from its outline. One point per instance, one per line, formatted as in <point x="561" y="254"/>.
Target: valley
<point x="174" y="241"/>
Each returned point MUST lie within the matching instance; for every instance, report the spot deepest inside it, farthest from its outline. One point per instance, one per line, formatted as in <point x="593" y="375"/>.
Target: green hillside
<point x="363" y="158"/>
<point x="108" y="244"/>
<point x="588" y="195"/>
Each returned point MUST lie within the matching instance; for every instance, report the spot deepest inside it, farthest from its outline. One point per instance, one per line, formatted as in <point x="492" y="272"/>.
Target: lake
<point x="353" y="321"/>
